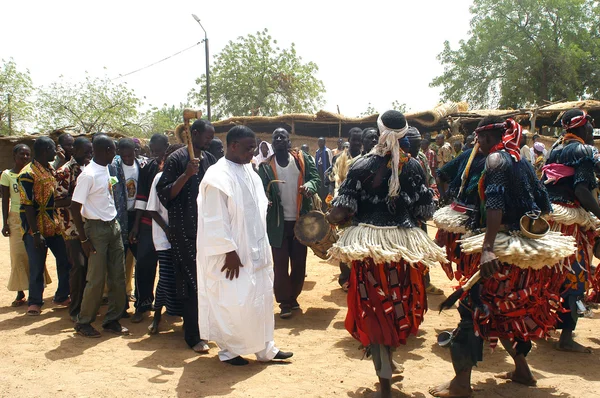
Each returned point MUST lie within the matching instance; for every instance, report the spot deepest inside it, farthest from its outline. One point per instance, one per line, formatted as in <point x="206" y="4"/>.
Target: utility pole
<point x="207" y="67"/>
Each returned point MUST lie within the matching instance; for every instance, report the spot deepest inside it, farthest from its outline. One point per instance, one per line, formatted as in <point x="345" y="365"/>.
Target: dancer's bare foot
<point x="525" y="379"/>
<point x="572" y="346"/>
<point x="397" y="368"/>
<point x="451" y="389"/>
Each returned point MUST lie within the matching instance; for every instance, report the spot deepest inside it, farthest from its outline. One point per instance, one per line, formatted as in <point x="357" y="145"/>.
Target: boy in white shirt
<point x="100" y="241"/>
<point x="166" y="291"/>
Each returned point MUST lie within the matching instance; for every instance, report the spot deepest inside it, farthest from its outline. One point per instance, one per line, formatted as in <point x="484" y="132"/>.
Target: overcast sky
<point x="370" y="51"/>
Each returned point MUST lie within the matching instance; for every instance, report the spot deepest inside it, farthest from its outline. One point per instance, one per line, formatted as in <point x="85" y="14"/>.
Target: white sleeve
<point x="217" y="227"/>
<point x="153" y="202"/>
<point x="82" y="189"/>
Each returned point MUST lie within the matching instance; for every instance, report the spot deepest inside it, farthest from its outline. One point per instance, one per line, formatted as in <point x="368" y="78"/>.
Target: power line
<point x="157" y="62"/>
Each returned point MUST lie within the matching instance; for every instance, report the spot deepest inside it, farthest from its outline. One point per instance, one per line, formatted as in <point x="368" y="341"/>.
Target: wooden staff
<point x="187" y="115"/>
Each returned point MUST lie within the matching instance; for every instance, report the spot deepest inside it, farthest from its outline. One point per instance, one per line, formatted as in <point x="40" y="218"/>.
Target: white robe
<point x="236" y="314"/>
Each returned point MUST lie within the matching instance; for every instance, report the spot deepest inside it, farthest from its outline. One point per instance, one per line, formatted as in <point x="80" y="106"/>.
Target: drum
<point x="313" y="230"/>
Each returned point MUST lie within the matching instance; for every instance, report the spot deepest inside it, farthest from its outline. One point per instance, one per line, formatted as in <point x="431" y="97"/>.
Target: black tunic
<point x="183" y="216"/>
<point x="452" y="173"/>
<point x="513" y="188"/>
<point x="581" y="158"/>
<point x="365" y="193"/>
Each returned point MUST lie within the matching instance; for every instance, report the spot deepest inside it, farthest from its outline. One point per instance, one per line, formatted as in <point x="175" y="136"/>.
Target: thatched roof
<point x="546" y="116"/>
<point x="325" y="123"/>
<point x="454" y="116"/>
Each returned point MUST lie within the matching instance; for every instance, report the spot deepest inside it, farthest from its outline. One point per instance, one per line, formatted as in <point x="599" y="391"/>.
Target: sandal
<point x="18" y="302"/>
<point x="34" y="310"/>
<point x="431" y="289"/>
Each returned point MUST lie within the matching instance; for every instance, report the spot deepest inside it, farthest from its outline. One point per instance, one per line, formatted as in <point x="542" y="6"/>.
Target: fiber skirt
<point x="386" y="301"/>
<point x="516" y="303"/>
<point x="578" y="277"/>
<point x="466" y="264"/>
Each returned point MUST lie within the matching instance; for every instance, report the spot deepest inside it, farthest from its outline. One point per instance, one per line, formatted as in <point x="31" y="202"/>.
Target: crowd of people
<point x="218" y="225"/>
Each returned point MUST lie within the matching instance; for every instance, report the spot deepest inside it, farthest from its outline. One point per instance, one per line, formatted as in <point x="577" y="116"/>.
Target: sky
<point x="368" y="52"/>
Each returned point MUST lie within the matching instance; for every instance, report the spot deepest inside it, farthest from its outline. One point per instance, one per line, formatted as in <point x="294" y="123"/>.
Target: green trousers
<point x="106" y="264"/>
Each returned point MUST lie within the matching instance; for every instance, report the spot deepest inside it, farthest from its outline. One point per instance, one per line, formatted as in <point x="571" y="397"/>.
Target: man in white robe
<point x="234" y="261"/>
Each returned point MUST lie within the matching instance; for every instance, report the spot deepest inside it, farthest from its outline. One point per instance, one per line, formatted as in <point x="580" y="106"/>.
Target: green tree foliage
<point x="401" y="107"/>
<point x="396" y="105"/>
<point x="253" y="76"/>
<point x="159" y="120"/>
<point x="16" y="88"/>
<point x="92" y="105"/>
<point x="523" y="53"/>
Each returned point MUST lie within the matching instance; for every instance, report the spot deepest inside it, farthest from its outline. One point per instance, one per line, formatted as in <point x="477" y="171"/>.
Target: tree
<point x="369" y="111"/>
<point x="396" y="105"/>
<point x="401" y="107"/>
<point x="524" y="53"/>
<point x="159" y="120"/>
<point x="92" y="105"/>
<point x="16" y="88"/>
<point x="252" y="76"/>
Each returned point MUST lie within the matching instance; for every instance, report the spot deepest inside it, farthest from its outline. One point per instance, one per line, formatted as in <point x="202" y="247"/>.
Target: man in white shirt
<point x="100" y="241"/>
<point x="234" y="263"/>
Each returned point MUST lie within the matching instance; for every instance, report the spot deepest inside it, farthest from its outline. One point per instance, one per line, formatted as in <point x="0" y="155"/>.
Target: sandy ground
<point x="41" y="356"/>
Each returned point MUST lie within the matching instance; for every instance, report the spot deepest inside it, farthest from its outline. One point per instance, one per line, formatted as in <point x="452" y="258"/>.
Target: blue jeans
<point x="37" y="263"/>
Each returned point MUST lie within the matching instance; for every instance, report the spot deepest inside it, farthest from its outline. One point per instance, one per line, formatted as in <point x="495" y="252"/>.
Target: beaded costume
<point x="569" y="164"/>
<point x="388" y="251"/>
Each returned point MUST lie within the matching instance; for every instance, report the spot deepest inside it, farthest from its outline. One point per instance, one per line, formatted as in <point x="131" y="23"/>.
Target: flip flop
<point x="34" y="310"/>
<point x="18" y="303"/>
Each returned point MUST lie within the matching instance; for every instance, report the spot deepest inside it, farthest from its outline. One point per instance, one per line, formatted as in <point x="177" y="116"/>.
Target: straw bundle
<point x="573" y="215"/>
<point x="514" y="248"/>
<point x="386" y="244"/>
<point x="450" y="220"/>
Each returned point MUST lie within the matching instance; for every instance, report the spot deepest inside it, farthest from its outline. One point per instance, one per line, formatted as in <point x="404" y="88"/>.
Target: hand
<point x="305" y="191"/>
<point x="489" y="264"/>
<point x="232" y="265"/>
<point x="39" y="242"/>
<point x="133" y="235"/>
<point x="6" y="230"/>
<point x="88" y="248"/>
<point x="192" y="168"/>
<point x="60" y="152"/>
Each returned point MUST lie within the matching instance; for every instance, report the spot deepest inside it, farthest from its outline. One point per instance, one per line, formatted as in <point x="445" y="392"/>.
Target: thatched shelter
<point x="329" y="124"/>
<point x="454" y="118"/>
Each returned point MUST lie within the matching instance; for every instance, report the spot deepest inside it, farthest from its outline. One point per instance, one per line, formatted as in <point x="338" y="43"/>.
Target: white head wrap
<point x="258" y="159"/>
<point x="389" y="141"/>
<point x="539" y="146"/>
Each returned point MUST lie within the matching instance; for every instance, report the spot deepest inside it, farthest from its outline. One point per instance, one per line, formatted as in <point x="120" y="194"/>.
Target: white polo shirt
<point x="94" y="192"/>
<point x="161" y="242"/>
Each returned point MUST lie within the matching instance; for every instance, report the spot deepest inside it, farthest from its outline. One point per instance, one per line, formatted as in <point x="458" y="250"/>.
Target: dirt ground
<point x="41" y="356"/>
